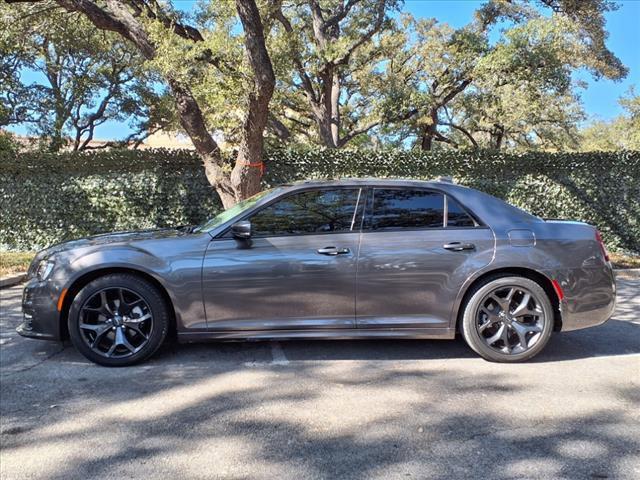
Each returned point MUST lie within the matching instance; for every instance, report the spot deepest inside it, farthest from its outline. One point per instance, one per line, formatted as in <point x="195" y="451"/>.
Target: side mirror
<point x="241" y="230"/>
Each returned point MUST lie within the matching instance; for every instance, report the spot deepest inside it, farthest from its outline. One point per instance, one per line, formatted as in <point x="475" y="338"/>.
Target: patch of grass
<point x="14" y="262"/>
<point x="621" y="260"/>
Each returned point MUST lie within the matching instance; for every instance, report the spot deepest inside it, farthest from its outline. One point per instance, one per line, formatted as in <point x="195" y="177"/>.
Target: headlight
<point x="45" y="267"/>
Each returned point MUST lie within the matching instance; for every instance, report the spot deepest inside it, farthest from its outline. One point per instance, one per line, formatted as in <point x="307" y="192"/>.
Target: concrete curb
<point x="12" y="280"/>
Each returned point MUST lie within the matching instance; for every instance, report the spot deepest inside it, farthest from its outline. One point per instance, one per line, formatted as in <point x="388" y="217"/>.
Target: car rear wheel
<point x="118" y="320"/>
<point x="507" y="319"/>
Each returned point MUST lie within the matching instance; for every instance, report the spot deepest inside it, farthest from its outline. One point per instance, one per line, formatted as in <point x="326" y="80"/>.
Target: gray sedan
<point x="338" y="259"/>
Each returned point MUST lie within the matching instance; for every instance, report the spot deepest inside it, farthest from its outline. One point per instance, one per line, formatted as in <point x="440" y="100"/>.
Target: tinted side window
<point x="456" y="216"/>
<point x="314" y="211"/>
<point x="403" y="208"/>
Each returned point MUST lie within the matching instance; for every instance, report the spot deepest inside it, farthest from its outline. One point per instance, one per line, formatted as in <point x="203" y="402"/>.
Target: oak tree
<point x="149" y="25"/>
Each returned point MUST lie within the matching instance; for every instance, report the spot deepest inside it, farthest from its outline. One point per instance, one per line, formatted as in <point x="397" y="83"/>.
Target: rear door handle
<point x="333" y="251"/>
<point x="458" y="246"/>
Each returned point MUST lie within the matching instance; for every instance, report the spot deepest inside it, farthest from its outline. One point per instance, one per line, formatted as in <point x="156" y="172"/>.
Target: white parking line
<point x="277" y="355"/>
<point x="619" y="355"/>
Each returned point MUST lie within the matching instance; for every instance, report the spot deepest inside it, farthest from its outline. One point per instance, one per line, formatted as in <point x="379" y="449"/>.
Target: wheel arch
<point x="531" y="274"/>
<point x="78" y="284"/>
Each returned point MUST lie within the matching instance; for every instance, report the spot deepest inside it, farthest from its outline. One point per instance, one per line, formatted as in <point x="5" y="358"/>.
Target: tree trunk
<point x="430" y="131"/>
<point x="56" y="142"/>
<point x="326" y="111"/>
<point x="498" y="136"/>
<point x="193" y="123"/>
<point x="249" y="167"/>
<point x="60" y="110"/>
<point x="335" y="108"/>
<point x="322" y="119"/>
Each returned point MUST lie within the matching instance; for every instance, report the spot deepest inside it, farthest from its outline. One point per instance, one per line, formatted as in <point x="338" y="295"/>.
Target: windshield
<point x="238" y="208"/>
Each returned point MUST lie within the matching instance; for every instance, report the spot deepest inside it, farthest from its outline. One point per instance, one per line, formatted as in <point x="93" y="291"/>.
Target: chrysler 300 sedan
<point x="328" y="260"/>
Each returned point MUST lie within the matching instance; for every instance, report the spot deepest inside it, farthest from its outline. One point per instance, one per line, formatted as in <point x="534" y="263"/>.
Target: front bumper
<point x="41" y="318"/>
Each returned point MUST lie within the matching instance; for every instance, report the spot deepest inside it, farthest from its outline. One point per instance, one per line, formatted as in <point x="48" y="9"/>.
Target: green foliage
<point x="334" y="65"/>
<point x="46" y="198"/>
<point x="348" y="72"/>
<point x="515" y="92"/>
<point x="8" y="143"/>
<point x="622" y="132"/>
<point x="586" y="21"/>
<point x="84" y="76"/>
<point x="216" y="69"/>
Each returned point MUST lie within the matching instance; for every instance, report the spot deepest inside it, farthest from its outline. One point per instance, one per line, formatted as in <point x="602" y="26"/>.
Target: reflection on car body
<point x="328" y="259"/>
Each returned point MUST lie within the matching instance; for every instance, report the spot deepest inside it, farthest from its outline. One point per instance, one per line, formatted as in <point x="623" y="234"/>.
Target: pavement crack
<point x="37" y="364"/>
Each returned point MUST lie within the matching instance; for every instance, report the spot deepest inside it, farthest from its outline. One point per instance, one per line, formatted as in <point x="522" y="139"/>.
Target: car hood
<point x="126" y="237"/>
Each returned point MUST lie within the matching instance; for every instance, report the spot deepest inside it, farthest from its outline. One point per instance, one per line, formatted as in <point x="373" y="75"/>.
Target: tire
<point x="484" y="314"/>
<point x="132" y="326"/>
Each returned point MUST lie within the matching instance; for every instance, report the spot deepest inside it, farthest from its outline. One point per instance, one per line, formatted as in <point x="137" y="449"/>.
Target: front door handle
<point x="333" y="251"/>
<point x="458" y="246"/>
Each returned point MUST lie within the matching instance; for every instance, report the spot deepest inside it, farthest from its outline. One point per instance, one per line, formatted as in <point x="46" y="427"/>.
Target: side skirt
<point x="333" y="334"/>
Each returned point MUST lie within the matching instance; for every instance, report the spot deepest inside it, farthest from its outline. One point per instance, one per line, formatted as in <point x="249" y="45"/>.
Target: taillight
<point x="558" y="289"/>
<point x="602" y="247"/>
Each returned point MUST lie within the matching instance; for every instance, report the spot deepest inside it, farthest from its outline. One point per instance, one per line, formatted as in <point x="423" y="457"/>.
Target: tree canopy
<point x="63" y="78"/>
<point x="621" y="133"/>
<point x="234" y="74"/>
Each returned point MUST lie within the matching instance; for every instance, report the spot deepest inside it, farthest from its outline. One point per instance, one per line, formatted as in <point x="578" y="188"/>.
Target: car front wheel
<point x="118" y="320"/>
<point x="507" y="319"/>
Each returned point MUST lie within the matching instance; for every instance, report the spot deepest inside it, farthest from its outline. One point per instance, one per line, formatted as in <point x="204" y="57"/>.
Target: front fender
<point x="179" y="276"/>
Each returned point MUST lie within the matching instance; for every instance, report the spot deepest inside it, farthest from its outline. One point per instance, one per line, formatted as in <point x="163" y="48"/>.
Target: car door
<point x="418" y="246"/>
<point x="297" y="272"/>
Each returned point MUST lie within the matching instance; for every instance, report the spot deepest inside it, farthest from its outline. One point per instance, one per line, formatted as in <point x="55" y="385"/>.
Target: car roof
<point x="489" y="209"/>
<point x="371" y="181"/>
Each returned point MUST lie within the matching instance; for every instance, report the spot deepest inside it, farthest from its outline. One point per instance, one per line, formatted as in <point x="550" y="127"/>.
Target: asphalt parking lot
<point x="325" y="409"/>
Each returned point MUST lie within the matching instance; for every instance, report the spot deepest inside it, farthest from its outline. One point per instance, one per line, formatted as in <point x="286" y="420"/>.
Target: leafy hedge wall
<point x="46" y="198"/>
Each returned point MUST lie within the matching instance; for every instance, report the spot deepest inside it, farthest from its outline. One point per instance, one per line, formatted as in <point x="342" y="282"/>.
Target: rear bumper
<point x="589" y="296"/>
<point x="41" y="318"/>
<point x="589" y="318"/>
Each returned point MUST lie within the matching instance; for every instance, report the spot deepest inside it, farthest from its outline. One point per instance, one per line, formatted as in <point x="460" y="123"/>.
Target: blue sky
<point x="600" y="98"/>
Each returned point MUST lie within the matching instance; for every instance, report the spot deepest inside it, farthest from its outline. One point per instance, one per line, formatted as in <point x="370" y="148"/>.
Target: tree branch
<point x="455" y="91"/>
<point x="398" y="118"/>
<point x="354" y="133"/>
<point x="259" y="59"/>
<point x="297" y="121"/>
<point x="117" y="18"/>
<point x="318" y="23"/>
<point x="153" y="10"/>
<point x="462" y="130"/>
<point x="295" y="54"/>
<point x="441" y="138"/>
<point x="279" y="128"/>
<point x="341" y="14"/>
<point x="375" y="28"/>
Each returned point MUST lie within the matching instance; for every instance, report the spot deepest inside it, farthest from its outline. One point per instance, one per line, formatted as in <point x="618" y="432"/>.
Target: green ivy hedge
<point x="47" y="198"/>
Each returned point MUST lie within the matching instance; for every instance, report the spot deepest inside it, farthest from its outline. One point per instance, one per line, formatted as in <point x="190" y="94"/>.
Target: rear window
<point x="393" y="209"/>
<point x="456" y="216"/>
